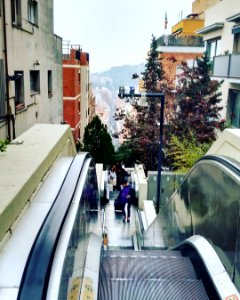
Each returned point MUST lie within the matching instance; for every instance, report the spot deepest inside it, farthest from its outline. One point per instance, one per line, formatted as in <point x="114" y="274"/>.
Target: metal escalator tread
<point x="148" y="275"/>
<point x="145" y="267"/>
<point x="134" y="253"/>
<point x="152" y="290"/>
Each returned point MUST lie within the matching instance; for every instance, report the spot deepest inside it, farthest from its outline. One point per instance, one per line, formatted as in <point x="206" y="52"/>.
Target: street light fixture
<point x="132" y="94"/>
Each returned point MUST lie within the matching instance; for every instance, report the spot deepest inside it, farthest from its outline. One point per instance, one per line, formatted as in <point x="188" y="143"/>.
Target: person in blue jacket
<point x="126" y="197"/>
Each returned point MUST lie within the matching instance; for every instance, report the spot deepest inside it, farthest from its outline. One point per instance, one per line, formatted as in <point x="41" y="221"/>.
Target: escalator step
<point x="147" y="267"/>
<point x="152" y="290"/>
<point x="157" y="253"/>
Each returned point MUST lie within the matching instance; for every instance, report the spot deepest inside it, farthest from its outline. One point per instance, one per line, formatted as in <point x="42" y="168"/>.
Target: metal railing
<point x="226" y="66"/>
<point x="181" y="41"/>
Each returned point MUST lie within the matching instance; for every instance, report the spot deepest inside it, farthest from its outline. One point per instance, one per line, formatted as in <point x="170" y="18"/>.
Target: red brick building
<point x="77" y="99"/>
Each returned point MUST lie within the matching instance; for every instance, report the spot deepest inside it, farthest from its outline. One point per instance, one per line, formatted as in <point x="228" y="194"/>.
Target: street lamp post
<point x="132" y="94"/>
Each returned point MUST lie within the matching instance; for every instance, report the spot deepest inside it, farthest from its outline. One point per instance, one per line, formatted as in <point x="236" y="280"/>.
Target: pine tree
<point x="142" y="129"/>
<point x="98" y="142"/>
<point x="198" y="101"/>
<point x="153" y="69"/>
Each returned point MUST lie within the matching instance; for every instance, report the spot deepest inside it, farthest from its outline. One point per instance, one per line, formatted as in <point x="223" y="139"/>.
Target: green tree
<point x="198" y="101"/>
<point x="184" y="152"/>
<point x="126" y="154"/>
<point x="98" y="142"/>
<point x="154" y="73"/>
<point x="142" y="127"/>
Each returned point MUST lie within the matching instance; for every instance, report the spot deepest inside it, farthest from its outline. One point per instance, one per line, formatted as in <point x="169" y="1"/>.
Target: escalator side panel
<point x="209" y="268"/>
<point x="71" y="251"/>
<point x="207" y="204"/>
<point x="14" y="254"/>
<point x="36" y="274"/>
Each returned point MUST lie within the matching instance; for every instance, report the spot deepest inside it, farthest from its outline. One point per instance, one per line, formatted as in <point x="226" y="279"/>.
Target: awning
<point x="234" y="18"/>
<point x="236" y="29"/>
<point x="179" y="30"/>
<point x="210" y="28"/>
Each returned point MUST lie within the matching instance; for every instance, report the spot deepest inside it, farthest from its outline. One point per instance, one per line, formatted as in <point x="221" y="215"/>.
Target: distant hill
<point x="115" y="77"/>
<point x="106" y="86"/>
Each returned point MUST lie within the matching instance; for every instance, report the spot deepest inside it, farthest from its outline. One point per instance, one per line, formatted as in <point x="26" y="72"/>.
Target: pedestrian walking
<point x="126" y="196"/>
<point x="112" y="177"/>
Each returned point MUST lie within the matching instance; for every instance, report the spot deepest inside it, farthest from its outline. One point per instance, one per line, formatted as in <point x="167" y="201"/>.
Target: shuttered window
<point x="19" y="90"/>
<point x="33" y="12"/>
<point x="16" y="12"/>
<point x="235" y="108"/>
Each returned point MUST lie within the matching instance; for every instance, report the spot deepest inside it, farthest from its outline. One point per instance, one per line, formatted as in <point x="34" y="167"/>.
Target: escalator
<point x="148" y="274"/>
<point x="198" y="228"/>
<point x="68" y="261"/>
<point x="67" y="222"/>
<point x="201" y="220"/>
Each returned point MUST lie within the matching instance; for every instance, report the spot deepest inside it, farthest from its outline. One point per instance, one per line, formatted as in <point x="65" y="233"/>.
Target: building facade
<point x="182" y="45"/>
<point x="72" y="89"/>
<point x="78" y="101"/>
<point x="85" y="93"/>
<point x="30" y="67"/>
<point x="221" y="33"/>
<point x="200" y="6"/>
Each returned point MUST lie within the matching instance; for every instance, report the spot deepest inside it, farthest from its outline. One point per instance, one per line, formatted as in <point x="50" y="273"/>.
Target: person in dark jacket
<point x="126" y="197"/>
<point x="121" y="174"/>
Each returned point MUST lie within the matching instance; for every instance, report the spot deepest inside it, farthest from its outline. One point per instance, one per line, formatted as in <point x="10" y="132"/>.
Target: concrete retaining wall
<point x="24" y="165"/>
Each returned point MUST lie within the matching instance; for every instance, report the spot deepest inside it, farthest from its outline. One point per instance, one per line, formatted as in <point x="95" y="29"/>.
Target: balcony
<point x="226" y="66"/>
<point x="181" y="41"/>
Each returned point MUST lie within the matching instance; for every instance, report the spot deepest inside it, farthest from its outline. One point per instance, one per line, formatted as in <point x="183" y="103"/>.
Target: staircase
<point x="148" y="274"/>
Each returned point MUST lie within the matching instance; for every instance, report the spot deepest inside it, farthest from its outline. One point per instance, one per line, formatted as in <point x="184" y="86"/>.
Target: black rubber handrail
<point x="36" y="274"/>
<point x="223" y="160"/>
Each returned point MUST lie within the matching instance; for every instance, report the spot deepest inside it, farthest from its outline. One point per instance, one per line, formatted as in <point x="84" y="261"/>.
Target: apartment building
<point x="200" y="6"/>
<point x="221" y="33"/>
<point x="78" y="101"/>
<point x="183" y="44"/>
<point x="85" y="93"/>
<point x="92" y="103"/>
<point x="30" y="67"/>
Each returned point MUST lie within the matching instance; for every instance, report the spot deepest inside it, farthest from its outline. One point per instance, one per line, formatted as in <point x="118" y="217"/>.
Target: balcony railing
<point x="226" y="66"/>
<point x="181" y="41"/>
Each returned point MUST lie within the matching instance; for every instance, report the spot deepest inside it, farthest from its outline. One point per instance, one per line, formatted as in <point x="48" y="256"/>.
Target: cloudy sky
<point x="116" y="32"/>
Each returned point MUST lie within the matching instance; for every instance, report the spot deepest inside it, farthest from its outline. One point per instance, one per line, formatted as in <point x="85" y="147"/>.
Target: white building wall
<point x="27" y="45"/>
<point x="218" y="14"/>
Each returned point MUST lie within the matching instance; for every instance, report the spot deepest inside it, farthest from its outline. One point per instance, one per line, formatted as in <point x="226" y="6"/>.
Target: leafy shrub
<point x="183" y="153"/>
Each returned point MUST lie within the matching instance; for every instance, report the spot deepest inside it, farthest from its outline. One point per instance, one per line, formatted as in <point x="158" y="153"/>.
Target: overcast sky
<point x="116" y="32"/>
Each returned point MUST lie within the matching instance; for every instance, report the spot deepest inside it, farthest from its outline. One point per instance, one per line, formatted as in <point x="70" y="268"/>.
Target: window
<point x="235" y="108"/>
<point x="19" y="89"/>
<point x="16" y="12"/>
<point x="34" y="82"/>
<point x="33" y="12"/>
<point x="79" y="77"/>
<point x="2" y="90"/>
<point x="49" y="83"/>
<point x="213" y="48"/>
<point x="236" y="45"/>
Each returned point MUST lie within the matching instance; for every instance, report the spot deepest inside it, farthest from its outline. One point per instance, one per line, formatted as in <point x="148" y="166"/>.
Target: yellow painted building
<point x="199" y="7"/>
<point x="187" y="27"/>
<point x="195" y="20"/>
